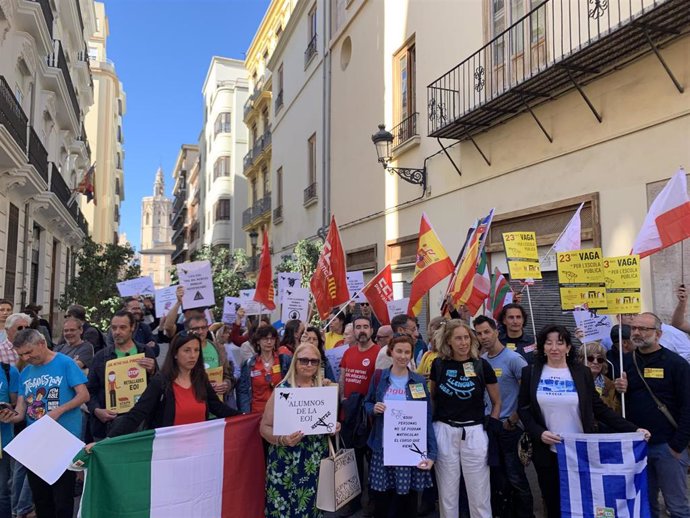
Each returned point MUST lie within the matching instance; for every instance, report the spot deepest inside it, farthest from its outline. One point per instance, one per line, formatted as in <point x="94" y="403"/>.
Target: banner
<point x="581" y="279"/>
<point x="295" y="305"/>
<point x="355" y="284"/>
<point x="136" y="287"/>
<point x="125" y="383"/>
<point x="313" y="411"/>
<point x="404" y="431"/>
<point x="522" y="255"/>
<point x="622" y="277"/>
<point x="197" y="279"/>
<point x="288" y="280"/>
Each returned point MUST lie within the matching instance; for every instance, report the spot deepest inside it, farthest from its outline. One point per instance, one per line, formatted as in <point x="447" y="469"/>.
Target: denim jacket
<point x="377" y="391"/>
<point x="244" y="385"/>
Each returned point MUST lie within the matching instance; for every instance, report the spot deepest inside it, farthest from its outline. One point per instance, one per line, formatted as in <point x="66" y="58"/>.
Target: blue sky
<point x="162" y="50"/>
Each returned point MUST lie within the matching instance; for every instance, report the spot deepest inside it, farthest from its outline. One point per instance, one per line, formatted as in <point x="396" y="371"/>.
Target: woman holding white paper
<point x="292" y="468"/>
<point x="397" y="486"/>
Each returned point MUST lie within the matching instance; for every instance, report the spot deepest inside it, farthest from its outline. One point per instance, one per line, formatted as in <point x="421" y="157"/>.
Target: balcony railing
<point x="258" y="146"/>
<point x="554" y="48"/>
<point x="56" y="59"/>
<point x="248" y="105"/>
<point x="262" y="206"/>
<point x="405" y="130"/>
<point x="267" y="137"/>
<point x="310" y="52"/>
<point x="47" y="14"/>
<point x="247" y="216"/>
<point x="38" y="156"/>
<point x="11" y="114"/>
<point x="82" y="223"/>
<point x="278" y="214"/>
<point x="310" y="193"/>
<point x="279" y="101"/>
<point x="59" y="187"/>
<point x="248" y="161"/>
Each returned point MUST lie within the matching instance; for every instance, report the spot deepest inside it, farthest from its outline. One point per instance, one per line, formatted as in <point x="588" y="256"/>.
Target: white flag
<point x="570" y="238"/>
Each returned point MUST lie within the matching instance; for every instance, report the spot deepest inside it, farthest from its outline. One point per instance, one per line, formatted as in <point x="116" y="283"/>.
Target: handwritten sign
<point x="522" y="255"/>
<point x="313" y="411"/>
<point x="581" y="278"/>
<point x="136" y="287"/>
<point x="355" y="283"/>
<point x="295" y="304"/>
<point x="288" y="280"/>
<point x="197" y="280"/>
<point x="622" y="277"/>
<point x="404" y="433"/>
<point x="397" y="307"/>
<point x="595" y="327"/>
<point x="125" y="382"/>
<point x="165" y="299"/>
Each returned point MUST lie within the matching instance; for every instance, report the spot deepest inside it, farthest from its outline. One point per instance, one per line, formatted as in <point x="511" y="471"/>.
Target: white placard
<point x="251" y="307"/>
<point x="46" y="448"/>
<point x="355" y="283"/>
<point x="230" y="307"/>
<point x="165" y="299"/>
<point x="288" y="280"/>
<point x="313" y="411"/>
<point x="397" y="307"/>
<point x="404" y="433"/>
<point x="136" y="287"/>
<point x="197" y="279"/>
<point x="334" y="357"/>
<point x="595" y="327"/>
<point x="295" y="304"/>
<point x="234" y="353"/>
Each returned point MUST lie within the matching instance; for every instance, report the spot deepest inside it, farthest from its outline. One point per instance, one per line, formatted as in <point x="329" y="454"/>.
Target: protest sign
<point x="295" y="304"/>
<point x="230" y="307"/>
<point x="234" y="354"/>
<point x="404" y="433"/>
<point x="595" y="327"/>
<point x="334" y="357"/>
<point x="165" y="298"/>
<point x="313" y="411"/>
<point x="136" y="287"/>
<point x="197" y="279"/>
<point x="581" y="278"/>
<point x="288" y="280"/>
<point x="355" y="283"/>
<point x="251" y="307"/>
<point x="215" y="376"/>
<point x="125" y="383"/>
<point x="522" y="255"/>
<point x="397" y="307"/>
<point x="622" y="277"/>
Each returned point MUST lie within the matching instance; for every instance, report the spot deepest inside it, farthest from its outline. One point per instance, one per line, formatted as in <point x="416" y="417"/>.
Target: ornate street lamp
<point x="253" y="239"/>
<point x="383" y="140"/>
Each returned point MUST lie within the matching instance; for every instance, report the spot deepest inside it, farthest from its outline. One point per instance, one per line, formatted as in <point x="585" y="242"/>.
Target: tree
<point x="303" y="260"/>
<point x="100" y="267"/>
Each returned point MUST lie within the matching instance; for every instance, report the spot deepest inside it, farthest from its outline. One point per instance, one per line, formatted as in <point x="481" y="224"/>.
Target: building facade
<point x="104" y="129"/>
<point x="184" y="192"/>
<point x="222" y="146"/>
<point x="45" y="91"/>
<point x="156" y="233"/>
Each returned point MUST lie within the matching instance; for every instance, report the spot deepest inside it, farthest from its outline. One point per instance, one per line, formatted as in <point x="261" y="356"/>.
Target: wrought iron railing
<point x="258" y="146"/>
<point x="47" y="14"/>
<point x="552" y="32"/>
<point x="82" y="223"/>
<point x="11" y="114"/>
<point x="59" y="187"/>
<point x="247" y="216"/>
<point x="248" y="161"/>
<point x="262" y="206"/>
<point x="405" y="130"/>
<point x="267" y="137"/>
<point x="56" y="59"/>
<point x="248" y="105"/>
<point x="279" y="101"/>
<point x="278" y="213"/>
<point x="311" y="51"/>
<point x="310" y="193"/>
<point x="38" y="156"/>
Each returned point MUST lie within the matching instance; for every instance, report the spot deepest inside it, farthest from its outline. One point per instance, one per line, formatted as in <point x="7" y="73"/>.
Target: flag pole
<point x="531" y="314"/>
<point x="343" y="307"/>
<point x="620" y="358"/>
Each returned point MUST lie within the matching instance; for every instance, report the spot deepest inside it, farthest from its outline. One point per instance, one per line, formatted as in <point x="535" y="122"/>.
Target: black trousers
<point x="389" y="503"/>
<point x="549" y="483"/>
<point x="53" y="501"/>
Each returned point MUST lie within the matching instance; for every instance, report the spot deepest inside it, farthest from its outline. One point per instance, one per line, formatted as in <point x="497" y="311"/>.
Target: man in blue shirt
<point x="9" y="385"/>
<point x="51" y="384"/>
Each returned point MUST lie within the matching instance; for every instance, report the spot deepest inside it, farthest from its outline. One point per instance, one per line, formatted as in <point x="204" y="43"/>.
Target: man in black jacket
<point x="89" y="333"/>
<point x="122" y="328"/>
<point x="513" y="319"/>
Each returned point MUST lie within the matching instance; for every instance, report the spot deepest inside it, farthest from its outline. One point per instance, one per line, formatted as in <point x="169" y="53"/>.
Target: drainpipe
<point x="326" y="128"/>
<point x="25" y="254"/>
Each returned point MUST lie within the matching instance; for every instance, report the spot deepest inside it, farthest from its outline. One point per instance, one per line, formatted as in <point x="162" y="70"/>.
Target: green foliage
<point x="100" y="267"/>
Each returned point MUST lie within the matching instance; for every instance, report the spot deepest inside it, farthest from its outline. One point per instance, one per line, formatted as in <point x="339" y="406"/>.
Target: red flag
<point x="329" y="282"/>
<point x="87" y="187"/>
<point x="264" y="292"/>
<point x="378" y="292"/>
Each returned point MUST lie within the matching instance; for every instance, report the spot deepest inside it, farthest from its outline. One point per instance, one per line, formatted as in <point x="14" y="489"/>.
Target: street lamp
<point x="253" y="239"/>
<point x="383" y="140"/>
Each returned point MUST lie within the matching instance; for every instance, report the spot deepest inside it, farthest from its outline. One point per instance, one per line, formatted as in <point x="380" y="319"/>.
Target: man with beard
<point x="513" y="319"/>
<point x="658" y="378"/>
<point x="142" y="332"/>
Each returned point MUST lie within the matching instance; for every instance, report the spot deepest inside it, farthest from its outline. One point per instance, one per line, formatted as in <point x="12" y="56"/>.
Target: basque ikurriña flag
<point x="603" y="476"/>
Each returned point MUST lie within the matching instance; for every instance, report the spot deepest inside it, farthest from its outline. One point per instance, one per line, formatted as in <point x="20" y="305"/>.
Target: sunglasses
<point x="314" y="362"/>
<point x="598" y="359"/>
<point x="21" y="328"/>
<point x="364" y="304"/>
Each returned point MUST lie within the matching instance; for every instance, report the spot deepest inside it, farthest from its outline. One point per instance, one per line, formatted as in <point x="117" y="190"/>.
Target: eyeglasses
<point x="21" y="328"/>
<point x="198" y="329"/>
<point x="641" y="328"/>
<point x="598" y="359"/>
<point x="314" y="362"/>
<point x="364" y="304"/>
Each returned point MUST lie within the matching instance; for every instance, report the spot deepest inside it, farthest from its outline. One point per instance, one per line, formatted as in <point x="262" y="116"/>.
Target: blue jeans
<point x="668" y="474"/>
<point x="22" y="499"/>
<point x="5" y="490"/>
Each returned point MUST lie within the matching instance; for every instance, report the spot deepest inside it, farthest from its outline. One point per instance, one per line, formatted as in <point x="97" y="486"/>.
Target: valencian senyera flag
<point x="432" y="265"/>
<point x="265" y="292"/>
<point x="202" y="470"/>
<point x="603" y="476"/>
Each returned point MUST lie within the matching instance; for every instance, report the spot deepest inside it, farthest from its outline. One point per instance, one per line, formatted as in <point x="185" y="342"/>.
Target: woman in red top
<point x="292" y="337"/>
<point x="261" y="373"/>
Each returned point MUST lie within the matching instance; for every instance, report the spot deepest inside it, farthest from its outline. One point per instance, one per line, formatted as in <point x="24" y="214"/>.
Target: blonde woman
<point x="458" y="380"/>
<point x="593" y="355"/>
<point x="292" y="468"/>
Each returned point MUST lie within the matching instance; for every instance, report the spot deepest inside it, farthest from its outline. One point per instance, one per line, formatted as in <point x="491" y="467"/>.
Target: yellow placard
<point x="125" y="382"/>
<point x="622" y="276"/>
<point x="581" y="278"/>
<point x="215" y="376"/>
<point x="522" y="255"/>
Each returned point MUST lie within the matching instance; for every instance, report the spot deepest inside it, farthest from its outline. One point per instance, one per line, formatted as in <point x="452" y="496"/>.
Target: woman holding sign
<point x="397" y="486"/>
<point x="260" y="374"/>
<point x="292" y="468"/>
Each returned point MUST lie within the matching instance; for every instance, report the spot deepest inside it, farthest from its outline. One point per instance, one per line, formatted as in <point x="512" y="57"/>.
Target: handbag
<point x="525" y="449"/>
<point x="338" y="478"/>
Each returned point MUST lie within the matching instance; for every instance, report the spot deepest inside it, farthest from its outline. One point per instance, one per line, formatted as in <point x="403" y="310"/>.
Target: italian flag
<point x="213" y="469"/>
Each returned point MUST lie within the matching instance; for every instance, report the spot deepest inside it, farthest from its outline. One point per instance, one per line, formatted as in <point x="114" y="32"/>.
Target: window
<point x="311" y="150"/>
<point x="255" y="134"/>
<point x="255" y="191"/>
<point x="279" y="185"/>
<point x="119" y="134"/>
<point x="525" y="32"/>
<point x="310" y="52"/>
<point x="222" y="124"/>
<point x="93" y="53"/>
<point x="279" y="88"/>
<point x="266" y="181"/>
<point x="221" y="167"/>
<point x="119" y="107"/>
<point x="279" y="31"/>
<point x="11" y="255"/>
<point x="223" y="210"/>
<point x="312" y="23"/>
<point x="264" y="119"/>
<point x="405" y="90"/>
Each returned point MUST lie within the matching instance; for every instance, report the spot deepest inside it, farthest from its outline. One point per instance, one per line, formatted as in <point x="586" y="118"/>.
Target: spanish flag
<point x="432" y="266"/>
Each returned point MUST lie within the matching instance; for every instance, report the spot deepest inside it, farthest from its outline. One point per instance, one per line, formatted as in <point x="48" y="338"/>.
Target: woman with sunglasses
<point x="593" y="355"/>
<point x="292" y="469"/>
<point x="260" y="374"/>
<point x="313" y="336"/>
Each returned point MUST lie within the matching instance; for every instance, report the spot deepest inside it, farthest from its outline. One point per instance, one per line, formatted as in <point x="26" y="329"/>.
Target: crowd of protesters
<point x="497" y="397"/>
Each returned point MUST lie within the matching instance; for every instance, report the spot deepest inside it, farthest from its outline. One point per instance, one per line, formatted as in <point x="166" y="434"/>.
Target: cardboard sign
<point x="355" y="283"/>
<point x="251" y="307"/>
<point x="215" y="376"/>
<point x="230" y="307"/>
<point x="397" y="307"/>
<point x="581" y="278"/>
<point x="165" y="299"/>
<point x="334" y="356"/>
<point x="622" y="277"/>
<point x="197" y="279"/>
<point x="136" y="287"/>
<point x="295" y="304"/>
<point x="288" y="280"/>
<point x="404" y="433"/>
<point x="595" y="327"/>
<point x="125" y="382"/>
<point x="522" y="255"/>
<point x="313" y="411"/>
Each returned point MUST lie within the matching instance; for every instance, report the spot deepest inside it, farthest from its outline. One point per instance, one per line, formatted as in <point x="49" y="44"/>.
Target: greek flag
<point x="603" y="476"/>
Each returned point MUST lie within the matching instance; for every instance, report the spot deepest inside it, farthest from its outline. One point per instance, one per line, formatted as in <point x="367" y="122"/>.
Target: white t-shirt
<point x="559" y="401"/>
